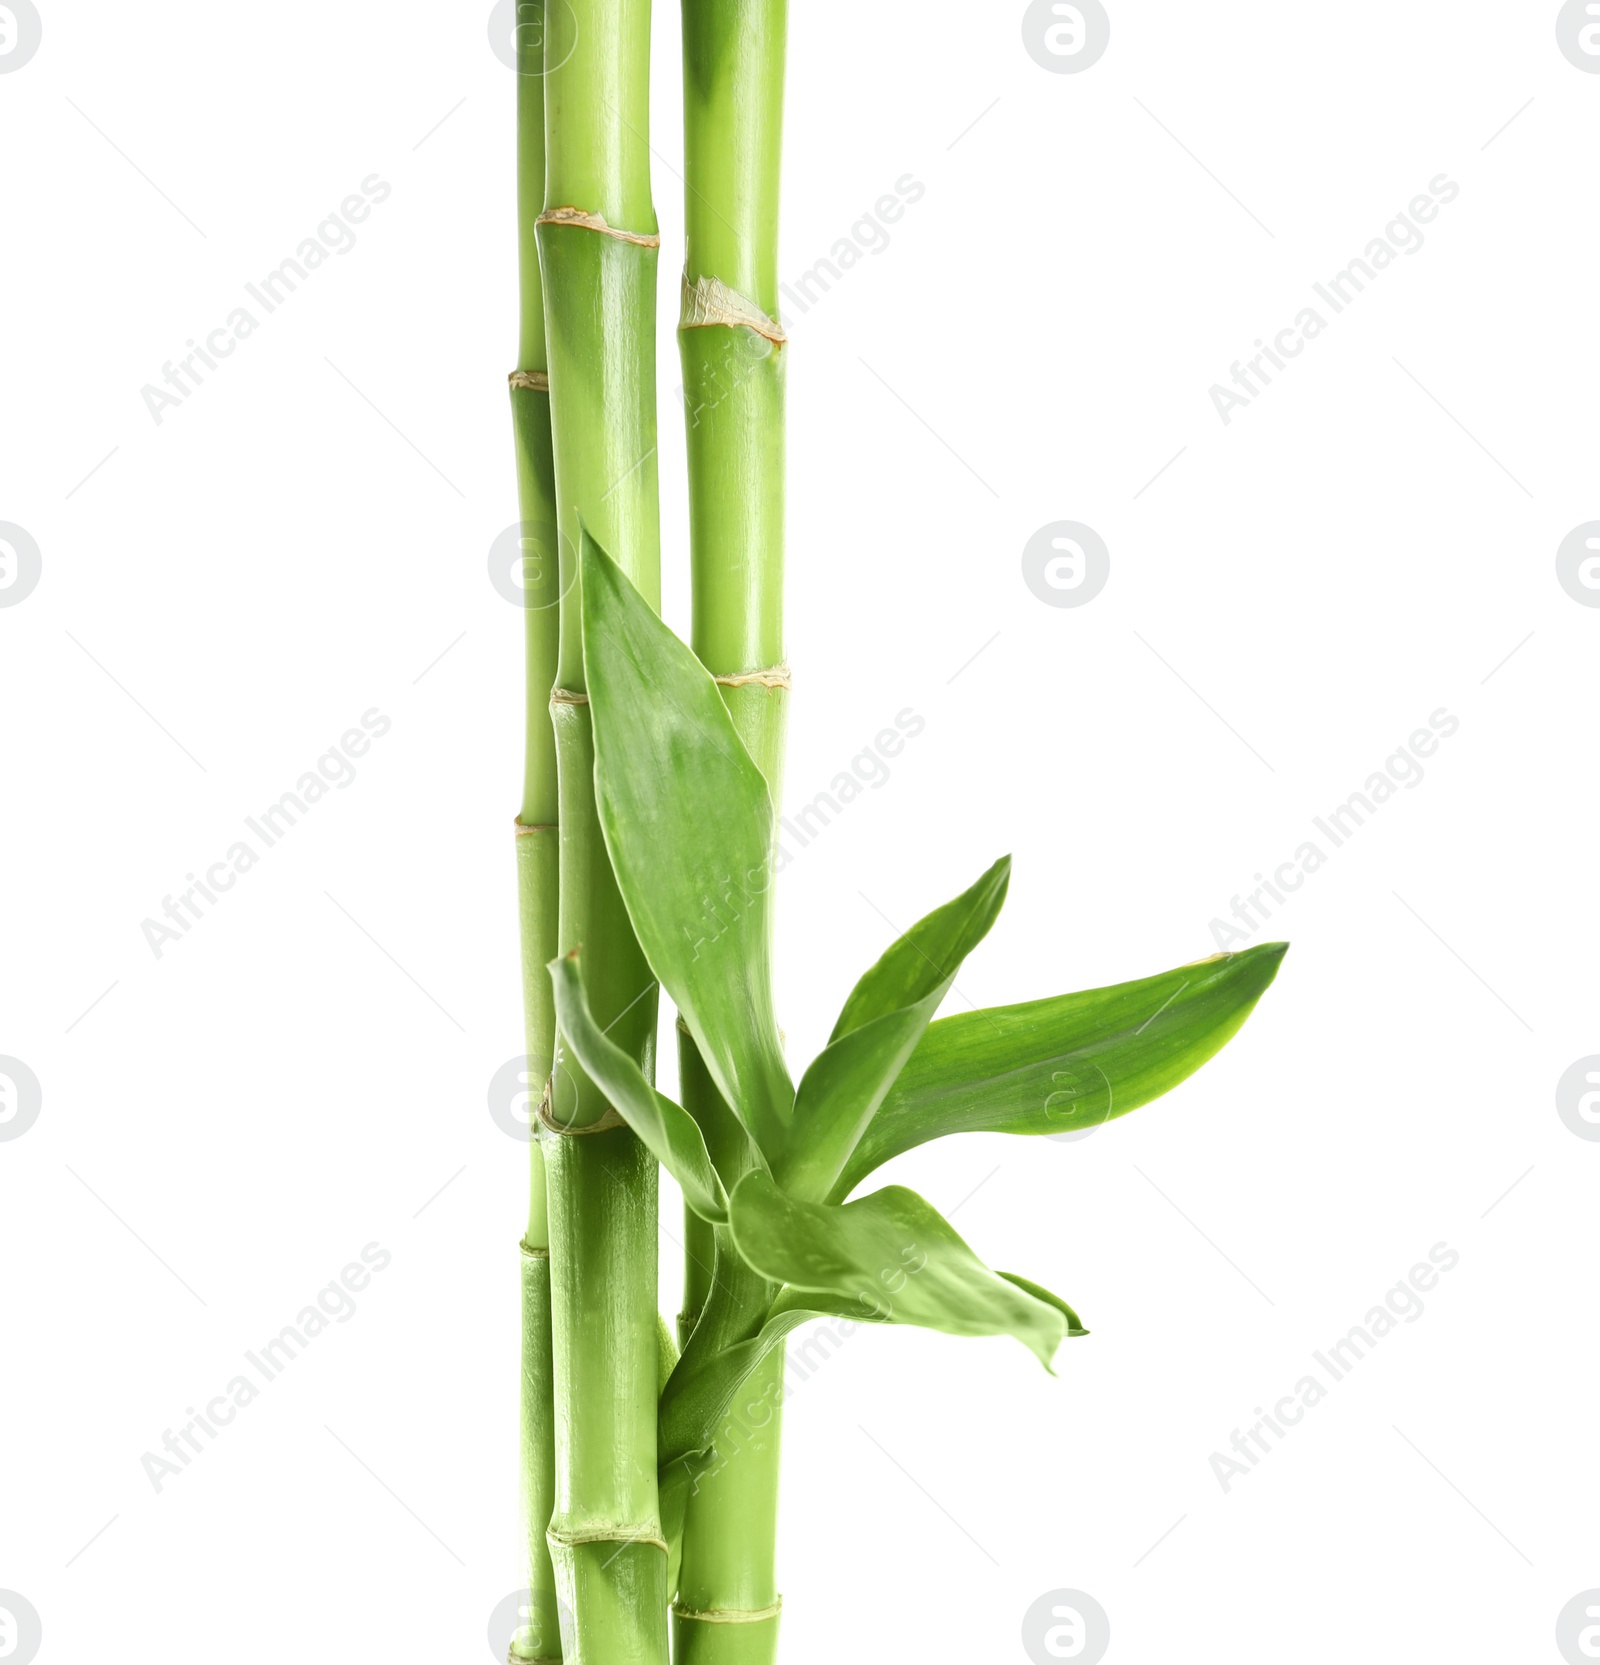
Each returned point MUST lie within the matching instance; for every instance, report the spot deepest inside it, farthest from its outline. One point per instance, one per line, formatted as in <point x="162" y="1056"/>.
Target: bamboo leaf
<point x="929" y="955"/>
<point x="691" y="834"/>
<point x="695" y="1409"/>
<point x="1040" y="1293"/>
<point x="878" y="1030"/>
<point x="1064" y="1064"/>
<point x="894" y="1256"/>
<point x="667" y="1129"/>
<point x="695" y="1416"/>
<point x="694" y="1406"/>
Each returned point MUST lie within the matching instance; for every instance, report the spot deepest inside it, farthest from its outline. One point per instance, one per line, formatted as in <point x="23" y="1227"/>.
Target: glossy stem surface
<point x="597" y="254"/>
<point x="733" y="375"/>
<point x="538" y="882"/>
<point x="726" y="1610"/>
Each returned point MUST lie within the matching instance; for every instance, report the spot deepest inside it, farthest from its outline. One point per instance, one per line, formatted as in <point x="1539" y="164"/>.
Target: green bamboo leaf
<point x="694" y="1406"/>
<point x="695" y="1409"/>
<point x="1065" y="1064"/>
<point x="695" y="1417"/>
<point x="690" y="829"/>
<point x="878" y="1030"/>
<point x="667" y="1129"/>
<point x="1040" y="1293"/>
<point x="893" y="1255"/>
<point x="929" y="955"/>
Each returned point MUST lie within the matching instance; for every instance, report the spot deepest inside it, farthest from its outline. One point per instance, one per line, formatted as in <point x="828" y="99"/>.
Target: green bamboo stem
<point x="733" y="375"/>
<point x="598" y="252"/>
<point x="537" y="853"/>
<point x="734" y="365"/>
<point x="726" y="1610"/>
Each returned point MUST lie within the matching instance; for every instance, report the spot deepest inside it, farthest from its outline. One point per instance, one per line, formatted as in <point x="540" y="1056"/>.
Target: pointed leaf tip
<point x="891" y="1258"/>
<point x="1067" y="1064"/>
<point x="883" y="1020"/>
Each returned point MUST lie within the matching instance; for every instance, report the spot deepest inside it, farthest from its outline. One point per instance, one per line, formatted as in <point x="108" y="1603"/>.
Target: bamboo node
<point x="730" y="1615"/>
<point x="596" y="222"/>
<point x="775" y="676"/>
<point x="601" y="1533"/>
<point x="605" y="1124"/>
<point x="523" y="829"/>
<point x="708" y="302"/>
<point x="537" y="381"/>
<point x="567" y="696"/>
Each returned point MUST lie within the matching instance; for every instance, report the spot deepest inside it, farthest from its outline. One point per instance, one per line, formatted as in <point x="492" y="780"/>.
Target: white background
<point x="231" y="589"/>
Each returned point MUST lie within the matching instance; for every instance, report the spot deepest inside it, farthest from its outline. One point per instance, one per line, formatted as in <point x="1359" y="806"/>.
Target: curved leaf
<point x="690" y="829"/>
<point x="696" y="1413"/>
<point x="929" y="954"/>
<point x="877" y="1032"/>
<point x="696" y="1410"/>
<point x="667" y="1129"/>
<point x="892" y="1253"/>
<point x="693" y="1407"/>
<point x="1066" y="1064"/>
<point x="1040" y="1293"/>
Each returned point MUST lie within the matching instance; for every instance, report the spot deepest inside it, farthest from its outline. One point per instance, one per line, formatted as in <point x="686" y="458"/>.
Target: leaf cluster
<point x="690" y="829"/>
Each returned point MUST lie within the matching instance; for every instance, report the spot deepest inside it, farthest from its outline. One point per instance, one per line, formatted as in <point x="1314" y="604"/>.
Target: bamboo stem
<point x="734" y="365"/>
<point x="537" y="852"/>
<point x="598" y="251"/>
<point x="605" y="1535"/>
<point x="727" y="1606"/>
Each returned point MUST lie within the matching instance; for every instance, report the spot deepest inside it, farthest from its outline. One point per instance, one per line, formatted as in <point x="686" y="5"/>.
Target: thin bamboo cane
<point x="734" y="360"/>
<point x="598" y="251"/>
<point x="727" y="1603"/>
<point x="537" y="849"/>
